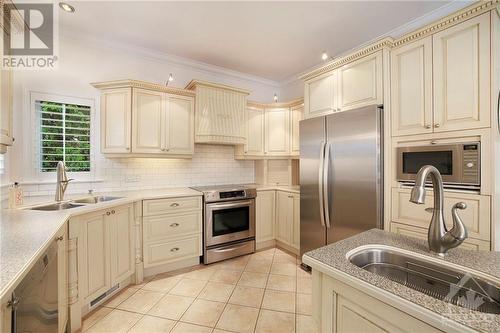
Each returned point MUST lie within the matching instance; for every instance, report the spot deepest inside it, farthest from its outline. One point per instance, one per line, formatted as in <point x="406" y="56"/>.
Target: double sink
<point x="442" y="281"/>
<point x="75" y="203"/>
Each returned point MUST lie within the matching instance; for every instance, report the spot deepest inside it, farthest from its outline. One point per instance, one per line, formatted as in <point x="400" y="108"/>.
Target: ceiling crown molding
<point x="194" y="83"/>
<point x="290" y="104"/>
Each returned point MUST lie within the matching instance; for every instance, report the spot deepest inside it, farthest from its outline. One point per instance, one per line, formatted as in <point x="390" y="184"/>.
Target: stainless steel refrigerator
<point x="341" y="176"/>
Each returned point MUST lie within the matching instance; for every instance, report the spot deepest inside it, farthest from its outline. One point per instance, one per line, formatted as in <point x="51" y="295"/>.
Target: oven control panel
<point x="232" y="194"/>
<point x="228" y="195"/>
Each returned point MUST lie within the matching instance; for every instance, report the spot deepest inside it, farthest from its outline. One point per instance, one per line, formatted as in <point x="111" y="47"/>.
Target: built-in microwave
<point x="459" y="164"/>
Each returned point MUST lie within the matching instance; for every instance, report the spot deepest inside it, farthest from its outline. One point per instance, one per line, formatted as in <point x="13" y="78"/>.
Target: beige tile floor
<point x="265" y="292"/>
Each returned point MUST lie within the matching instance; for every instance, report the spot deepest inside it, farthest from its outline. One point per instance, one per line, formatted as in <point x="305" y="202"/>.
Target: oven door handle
<point x="230" y="205"/>
<point x="229" y="248"/>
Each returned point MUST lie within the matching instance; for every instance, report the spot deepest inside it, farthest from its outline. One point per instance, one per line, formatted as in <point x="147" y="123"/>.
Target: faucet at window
<point x="62" y="181"/>
<point x="439" y="237"/>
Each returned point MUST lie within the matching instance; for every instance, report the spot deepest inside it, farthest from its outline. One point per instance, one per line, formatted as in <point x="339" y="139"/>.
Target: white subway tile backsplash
<point x="210" y="165"/>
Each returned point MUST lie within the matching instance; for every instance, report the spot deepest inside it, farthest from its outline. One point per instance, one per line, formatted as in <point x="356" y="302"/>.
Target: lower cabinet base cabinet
<point x="101" y="258"/>
<point x="340" y="307"/>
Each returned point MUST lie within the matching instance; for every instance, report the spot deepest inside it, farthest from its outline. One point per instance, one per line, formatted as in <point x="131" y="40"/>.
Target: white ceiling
<point x="272" y="40"/>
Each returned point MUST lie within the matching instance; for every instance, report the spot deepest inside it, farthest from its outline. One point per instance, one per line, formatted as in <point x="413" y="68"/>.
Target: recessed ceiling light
<point x="324" y="56"/>
<point x="66" y="7"/>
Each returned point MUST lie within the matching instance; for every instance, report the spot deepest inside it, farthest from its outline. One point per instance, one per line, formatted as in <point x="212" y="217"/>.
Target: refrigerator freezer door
<point x="354" y="172"/>
<point x="312" y="142"/>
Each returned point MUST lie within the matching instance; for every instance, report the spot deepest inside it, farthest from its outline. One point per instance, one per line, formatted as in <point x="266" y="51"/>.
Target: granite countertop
<point x="334" y="256"/>
<point x="286" y="188"/>
<point x="25" y="234"/>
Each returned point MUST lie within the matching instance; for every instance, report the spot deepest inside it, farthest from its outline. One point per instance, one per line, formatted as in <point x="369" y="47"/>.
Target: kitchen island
<point x="361" y="300"/>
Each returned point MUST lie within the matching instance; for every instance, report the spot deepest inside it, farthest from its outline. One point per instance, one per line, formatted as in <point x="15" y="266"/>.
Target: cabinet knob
<point x="175" y="249"/>
<point x="290" y="196"/>
<point x="113" y="211"/>
<point x="128" y="148"/>
<point x="174" y="225"/>
<point x="433" y="142"/>
<point x="108" y="213"/>
<point x="437" y="125"/>
<point x="175" y="204"/>
<point x="60" y="238"/>
<point x="428" y="126"/>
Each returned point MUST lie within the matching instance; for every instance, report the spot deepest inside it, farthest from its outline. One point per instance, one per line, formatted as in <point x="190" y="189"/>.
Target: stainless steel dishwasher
<point x="35" y="300"/>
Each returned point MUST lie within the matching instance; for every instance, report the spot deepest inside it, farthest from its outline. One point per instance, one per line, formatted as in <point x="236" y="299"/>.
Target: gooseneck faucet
<point x="62" y="181"/>
<point x="439" y="237"/>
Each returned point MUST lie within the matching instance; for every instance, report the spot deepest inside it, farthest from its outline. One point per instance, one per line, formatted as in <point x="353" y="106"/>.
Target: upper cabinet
<point x="440" y="83"/>
<point x="219" y="113"/>
<point x="140" y="119"/>
<point x="277" y="131"/>
<point x="461" y="63"/>
<point x="356" y="84"/>
<point x="411" y="88"/>
<point x="360" y="83"/>
<point x="6" y="110"/>
<point x="271" y="130"/>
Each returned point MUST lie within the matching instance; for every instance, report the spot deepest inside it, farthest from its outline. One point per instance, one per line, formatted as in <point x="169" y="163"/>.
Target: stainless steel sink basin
<point x="445" y="283"/>
<point x="95" y="199"/>
<point x="57" y="206"/>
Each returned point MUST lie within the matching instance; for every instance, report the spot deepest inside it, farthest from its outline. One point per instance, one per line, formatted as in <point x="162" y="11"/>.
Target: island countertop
<point x="334" y="256"/>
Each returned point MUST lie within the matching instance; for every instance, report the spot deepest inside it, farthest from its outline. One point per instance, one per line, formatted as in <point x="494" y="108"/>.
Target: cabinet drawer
<point x="421" y="233"/>
<point x="170" y="205"/>
<point x="476" y="216"/>
<point x="159" y="253"/>
<point x="171" y="225"/>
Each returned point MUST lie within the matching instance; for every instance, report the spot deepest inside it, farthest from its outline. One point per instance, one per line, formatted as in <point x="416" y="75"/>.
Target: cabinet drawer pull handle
<point x="428" y="126"/>
<point x="437" y="125"/>
<point x="108" y="213"/>
<point x="174" y="225"/>
<point x="175" y="204"/>
<point x="60" y="238"/>
<point x="433" y="142"/>
<point x="113" y="211"/>
<point x="175" y="249"/>
<point x="429" y="210"/>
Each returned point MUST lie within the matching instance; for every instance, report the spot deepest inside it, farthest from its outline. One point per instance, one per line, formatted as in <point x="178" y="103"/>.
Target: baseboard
<point x="287" y="248"/>
<point x="265" y="245"/>
<point x="171" y="266"/>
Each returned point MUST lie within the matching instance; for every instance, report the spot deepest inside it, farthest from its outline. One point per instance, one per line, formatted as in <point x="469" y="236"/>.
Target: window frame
<point x="36" y="138"/>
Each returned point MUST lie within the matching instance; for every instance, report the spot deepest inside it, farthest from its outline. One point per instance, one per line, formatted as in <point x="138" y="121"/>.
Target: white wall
<point x="84" y="61"/>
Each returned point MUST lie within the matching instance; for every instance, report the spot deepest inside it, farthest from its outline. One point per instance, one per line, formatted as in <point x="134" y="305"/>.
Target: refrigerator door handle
<point x="326" y="200"/>
<point x="320" y="183"/>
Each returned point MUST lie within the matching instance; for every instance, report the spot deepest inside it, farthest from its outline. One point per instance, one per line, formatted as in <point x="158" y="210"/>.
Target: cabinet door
<point x="180" y="124"/>
<point x="121" y="240"/>
<point x="277" y="131"/>
<point x="6" y="111"/>
<point x="296" y="117"/>
<point x="148" y="119"/>
<point x="461" y="57"/>
<point x="296" y="221"/>
<point x="95" y="255"/>
<point x="411" y="88"/>
<point x="62" y="281"/>
<point x="284" y="217"/>
<point x="254" y="131"/>
<point x="265" y="213"/>
<point x="116" y="120"/>
<point x="360" y="83"/>
<point x="320" y="95"/>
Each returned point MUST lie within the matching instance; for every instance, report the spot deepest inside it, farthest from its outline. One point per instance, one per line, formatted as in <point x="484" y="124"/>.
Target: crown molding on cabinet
<point x="143" y="85"/>
<point x="193" y="83"/>
<point x="289" y="104"/>
<point x="476" y="9"/>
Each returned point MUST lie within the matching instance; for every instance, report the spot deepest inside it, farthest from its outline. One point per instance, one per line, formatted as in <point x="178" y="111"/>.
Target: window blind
<point x="65" y="136"/>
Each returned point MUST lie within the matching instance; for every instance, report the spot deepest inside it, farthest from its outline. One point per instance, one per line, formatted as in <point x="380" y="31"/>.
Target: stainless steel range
<point x="229" y="221"/>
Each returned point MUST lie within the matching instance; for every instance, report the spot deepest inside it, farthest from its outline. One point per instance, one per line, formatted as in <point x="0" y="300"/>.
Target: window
<point x="64" y="130"/>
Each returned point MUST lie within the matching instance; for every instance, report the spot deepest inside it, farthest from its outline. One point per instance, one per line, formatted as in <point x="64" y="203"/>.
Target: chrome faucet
<point x="439" y="237"/>
<point x="62" y="181"/>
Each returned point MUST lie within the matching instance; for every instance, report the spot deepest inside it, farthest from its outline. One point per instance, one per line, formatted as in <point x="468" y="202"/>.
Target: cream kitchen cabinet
<point x="320" y="95"/>
<point x="277" y="131"/>
<point x="265" y="216"/>
<point x="255" y="131"/>
<point x="172" y="232"/>
<point x="62" y="278"/>
<point x="140" y="119"/>
<point x="411" y="88"/>
<point x="288" y="219"/>
<point x="6" y="110"/>
<point x="116" y="121"/>
<point x="105" y="250"/>
<point x="461" y="72"/>
<point x="476" y="216"/>
<point x="360" y="83"/>
<point x="296" y="114"/>
<point x="438" y="83"/>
